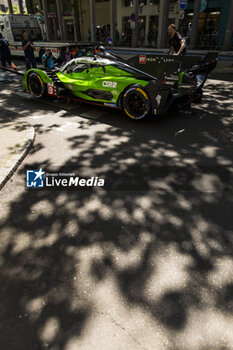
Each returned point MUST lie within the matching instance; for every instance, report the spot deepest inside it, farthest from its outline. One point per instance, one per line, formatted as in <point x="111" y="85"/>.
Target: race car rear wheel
<point x="135" y="102"/>
<point x="36" y="85"/>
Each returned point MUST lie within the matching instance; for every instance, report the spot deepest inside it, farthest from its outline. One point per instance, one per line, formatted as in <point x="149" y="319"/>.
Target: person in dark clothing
<point x="150" y="38"/>
<point x="28" y="48"/>
<point x="177" y="44"/>
<point x="67" y="55"/>
<point x="5" y="53"/>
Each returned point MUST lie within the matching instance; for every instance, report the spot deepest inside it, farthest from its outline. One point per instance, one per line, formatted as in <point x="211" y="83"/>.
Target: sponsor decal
<point x="142" y="59"/>
<point x="158" y="99"/>
<point x="111" y="84"/>
<point x="156" y="59"/>
<point x="51" y="89"/>
<point x="169" y="83"/>
<point x="172" y="77"/>
<point x="109" y="104"/>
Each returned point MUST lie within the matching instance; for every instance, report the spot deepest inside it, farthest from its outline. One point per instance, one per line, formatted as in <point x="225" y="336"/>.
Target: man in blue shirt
<point x="29" y="48"/>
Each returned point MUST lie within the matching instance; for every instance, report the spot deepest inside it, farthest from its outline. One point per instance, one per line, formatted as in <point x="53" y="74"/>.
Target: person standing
<point x="149" y="38"/>
<point x="109" y="40"/>
<point x="177" y="44"/>
<point x="117" y="37"/>
<point x="142" y="36"/>
<point x="89" y="35"/>
<point x="28" y="48"/>
<point x="5" y="53"/>
<point x="67" y="56"/>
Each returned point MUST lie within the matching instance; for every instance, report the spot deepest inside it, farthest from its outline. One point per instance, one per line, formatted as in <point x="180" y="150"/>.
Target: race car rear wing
<point x="166" y="68"/>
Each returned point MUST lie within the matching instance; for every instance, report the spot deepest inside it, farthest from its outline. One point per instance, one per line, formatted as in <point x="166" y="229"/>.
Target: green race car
<point x="116" y="84"/>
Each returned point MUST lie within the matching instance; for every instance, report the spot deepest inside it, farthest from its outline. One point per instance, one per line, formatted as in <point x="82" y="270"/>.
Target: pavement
<point x="16" y="141"/>
<point x="125" y="269"/>
<point x="17" y="138"/>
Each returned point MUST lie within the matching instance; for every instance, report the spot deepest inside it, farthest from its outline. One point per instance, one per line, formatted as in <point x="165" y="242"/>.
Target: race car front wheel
<point x="36" y="85"/>
<point x="135" y="102"/>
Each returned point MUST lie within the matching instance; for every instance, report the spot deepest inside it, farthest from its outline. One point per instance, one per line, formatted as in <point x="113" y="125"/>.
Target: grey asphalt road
<point x="146" y="263"/>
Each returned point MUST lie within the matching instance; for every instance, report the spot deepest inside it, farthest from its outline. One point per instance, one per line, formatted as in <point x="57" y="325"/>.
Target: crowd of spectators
<point x="70" y="52"/>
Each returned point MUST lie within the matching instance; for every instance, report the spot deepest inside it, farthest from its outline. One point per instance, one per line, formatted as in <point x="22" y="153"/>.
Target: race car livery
<point x="116" y="84"/>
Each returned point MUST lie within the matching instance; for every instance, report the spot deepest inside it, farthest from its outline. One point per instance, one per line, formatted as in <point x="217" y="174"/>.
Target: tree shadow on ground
<point x="159" y="235"/>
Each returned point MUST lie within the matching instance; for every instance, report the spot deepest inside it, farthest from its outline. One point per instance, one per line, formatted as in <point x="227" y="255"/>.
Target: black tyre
<point x="135" y="102"/>
<point x="36" y="85"/>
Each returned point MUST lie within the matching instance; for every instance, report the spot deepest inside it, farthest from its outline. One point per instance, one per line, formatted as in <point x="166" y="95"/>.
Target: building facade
<point x="212" y="23"/>
<point x="70" y="20"/>
<point x="148" y="19"/>
<point x="3" y="5"/>
<point x="74" y="20"/>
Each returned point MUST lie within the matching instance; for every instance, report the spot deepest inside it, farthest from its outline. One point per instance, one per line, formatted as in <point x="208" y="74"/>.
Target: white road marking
<point x="67" y="125"/>
<point x="38" y="116"/>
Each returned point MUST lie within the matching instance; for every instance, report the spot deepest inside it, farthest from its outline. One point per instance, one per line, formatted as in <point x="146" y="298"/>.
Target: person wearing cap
<point x="48" y="59"/>
<point x="28" y="48"/>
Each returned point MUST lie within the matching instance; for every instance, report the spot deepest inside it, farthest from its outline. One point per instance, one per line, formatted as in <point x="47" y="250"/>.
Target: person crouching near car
<point x="48" y="59"/>
<point x="177" y="44"/>
<point x="29" y="49"/>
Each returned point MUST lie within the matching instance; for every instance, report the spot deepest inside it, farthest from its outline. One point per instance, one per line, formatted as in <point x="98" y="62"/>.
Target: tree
<point x="30" y="6"/>
<point x="77" y="20"/>
<point x="20" y="2"/>
<point x="10" y="7"/>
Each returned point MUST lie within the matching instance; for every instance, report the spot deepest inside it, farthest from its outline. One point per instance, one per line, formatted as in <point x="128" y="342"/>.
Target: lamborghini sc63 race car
<point x="116" y="84"/>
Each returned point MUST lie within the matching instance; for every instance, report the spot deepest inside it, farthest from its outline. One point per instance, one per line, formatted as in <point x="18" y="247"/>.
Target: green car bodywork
<point x="45" y="78"/>
<point x="98" y="80"/>
<point x="110" y="80"/>
<point x="117" y="84"/>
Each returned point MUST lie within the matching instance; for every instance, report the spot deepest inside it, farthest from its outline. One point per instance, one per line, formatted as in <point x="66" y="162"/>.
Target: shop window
<point x="67" y="5"/>
<point x="171" y="21"/>
<point x="127" y="3"/>
<point x="51" y="6"/>
<point x="69" y="30"/>
<point x="208" y="22"/>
